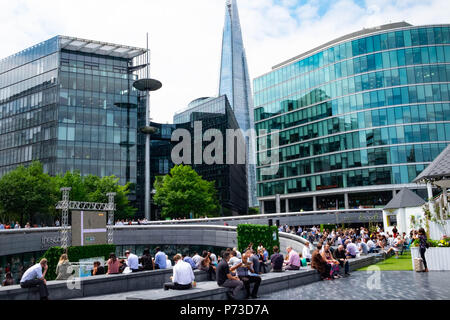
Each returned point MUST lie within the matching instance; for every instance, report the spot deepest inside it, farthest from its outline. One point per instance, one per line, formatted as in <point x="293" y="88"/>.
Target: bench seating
<point x="271" y="282"/>
<point x="147" y="285"/>
<point x="96" y="286"/>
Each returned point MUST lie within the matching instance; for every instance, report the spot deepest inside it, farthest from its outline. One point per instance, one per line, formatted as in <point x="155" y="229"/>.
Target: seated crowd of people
<point x="235" y="270"/>
<point x="238" y="271"/>
<point x="365" y="241"/>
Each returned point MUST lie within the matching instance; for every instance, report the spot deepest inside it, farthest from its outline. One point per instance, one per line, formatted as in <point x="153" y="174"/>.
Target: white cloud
<point x="185" y="36"/>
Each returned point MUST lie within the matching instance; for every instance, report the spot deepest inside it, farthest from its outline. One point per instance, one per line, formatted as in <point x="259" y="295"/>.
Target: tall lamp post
<point x="147" y="85"/>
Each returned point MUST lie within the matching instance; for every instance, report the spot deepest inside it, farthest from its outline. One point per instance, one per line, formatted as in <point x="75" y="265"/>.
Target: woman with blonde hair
<point x="62" y="269"/>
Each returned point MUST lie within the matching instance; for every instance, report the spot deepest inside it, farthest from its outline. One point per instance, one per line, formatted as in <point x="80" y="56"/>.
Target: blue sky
<point x="185" y="36"/>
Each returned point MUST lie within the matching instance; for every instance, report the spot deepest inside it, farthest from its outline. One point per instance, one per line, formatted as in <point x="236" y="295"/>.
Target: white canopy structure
<point x="405" y="211"/>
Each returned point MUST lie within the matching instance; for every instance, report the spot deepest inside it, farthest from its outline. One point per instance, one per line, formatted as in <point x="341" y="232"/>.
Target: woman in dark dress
<point x="98" y="269"/>
<point x="147" y="260"/>
<point x="423" y="245"/>
<point x="262" y="261"/>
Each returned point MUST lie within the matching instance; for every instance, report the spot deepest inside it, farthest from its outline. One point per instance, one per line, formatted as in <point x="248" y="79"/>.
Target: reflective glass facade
<point x="95" y="134"/>
<point x="365" y="111"/>
<point x="71" y="109"/>
<point x="28" y="104"/>
<point x="235" y="84"/>
<point x="230" y="179"/>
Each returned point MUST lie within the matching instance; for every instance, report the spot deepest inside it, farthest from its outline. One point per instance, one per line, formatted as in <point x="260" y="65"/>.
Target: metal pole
<point x="147" y="146"/>
<point x="111" y="207"/>
<point x="430" y="197"/>
<point x="65" y="217"/>
<point x="278" y="203"/>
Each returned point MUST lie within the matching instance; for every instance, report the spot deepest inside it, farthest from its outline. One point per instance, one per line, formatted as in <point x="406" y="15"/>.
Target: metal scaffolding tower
<point x="65" y="205"/>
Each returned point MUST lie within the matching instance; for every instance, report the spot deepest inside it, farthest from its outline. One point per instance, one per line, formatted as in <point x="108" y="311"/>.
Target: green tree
<point x="95" y="189"/>
<point x="183" y="192"/>
<point x="27" y="192"/>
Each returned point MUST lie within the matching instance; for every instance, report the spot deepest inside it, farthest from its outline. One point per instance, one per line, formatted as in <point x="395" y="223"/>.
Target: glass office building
<point x="358" y="117"/>
<point x="69" y="103"/>
<point x="230" y="179"/>
<point x="235" y="84"/>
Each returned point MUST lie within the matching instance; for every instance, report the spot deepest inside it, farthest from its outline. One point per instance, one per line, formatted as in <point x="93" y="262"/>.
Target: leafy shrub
<point x="253" y="211"/>
<point x="75" y="254"/>
<point x="444" y="243"/>
<point x="256" y="234"/>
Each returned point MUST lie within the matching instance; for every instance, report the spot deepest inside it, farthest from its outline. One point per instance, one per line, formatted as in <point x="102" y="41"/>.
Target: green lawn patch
<point x="403" y="263"/>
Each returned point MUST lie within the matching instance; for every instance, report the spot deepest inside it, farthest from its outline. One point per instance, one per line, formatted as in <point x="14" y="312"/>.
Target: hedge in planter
<point x="256" y="234"/>
<point x="75" y="254"/>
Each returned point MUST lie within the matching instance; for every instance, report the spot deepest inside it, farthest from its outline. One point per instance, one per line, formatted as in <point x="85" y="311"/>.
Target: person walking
<point x="34" y="277"/>
<point x="423" y="245"/>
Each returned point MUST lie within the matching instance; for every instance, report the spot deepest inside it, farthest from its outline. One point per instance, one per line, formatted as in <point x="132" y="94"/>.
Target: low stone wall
<point x="151" y="282"/>
<point x="95" y="286"/>
<point x="28" y="240"/>
<point x="34" y="240"/>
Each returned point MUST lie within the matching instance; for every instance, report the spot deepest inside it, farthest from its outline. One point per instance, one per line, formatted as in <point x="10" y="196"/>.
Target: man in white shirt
<point x="234" y="259"/>
<point x="307" y="252"/>
<point x="34" y="277"/>
<point x="352" y="249"/>
<point x="390" y="240"/>
<point x="238" y="254"/>
<point x="371" y="245"/>
<point x="183" y="276"/>
<point x="132" y="261"/>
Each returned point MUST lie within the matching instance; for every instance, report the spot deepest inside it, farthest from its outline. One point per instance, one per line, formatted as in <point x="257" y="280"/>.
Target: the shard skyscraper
<point x="235" y="84"/>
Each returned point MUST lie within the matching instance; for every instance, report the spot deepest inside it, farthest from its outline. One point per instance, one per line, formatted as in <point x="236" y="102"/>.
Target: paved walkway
<point x="386" y="285"/>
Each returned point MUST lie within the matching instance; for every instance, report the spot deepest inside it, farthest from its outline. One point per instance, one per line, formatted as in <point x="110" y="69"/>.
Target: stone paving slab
<point x="362" y="285"/>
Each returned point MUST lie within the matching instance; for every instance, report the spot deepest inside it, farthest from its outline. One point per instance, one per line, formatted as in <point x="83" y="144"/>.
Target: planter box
<point x="438" y="259"/>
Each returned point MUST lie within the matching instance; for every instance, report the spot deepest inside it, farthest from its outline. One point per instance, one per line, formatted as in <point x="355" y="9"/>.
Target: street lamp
<point x="147" y="85"/>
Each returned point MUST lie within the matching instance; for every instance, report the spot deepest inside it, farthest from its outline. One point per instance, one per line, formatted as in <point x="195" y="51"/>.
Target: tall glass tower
<point x="235" y="84"/>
